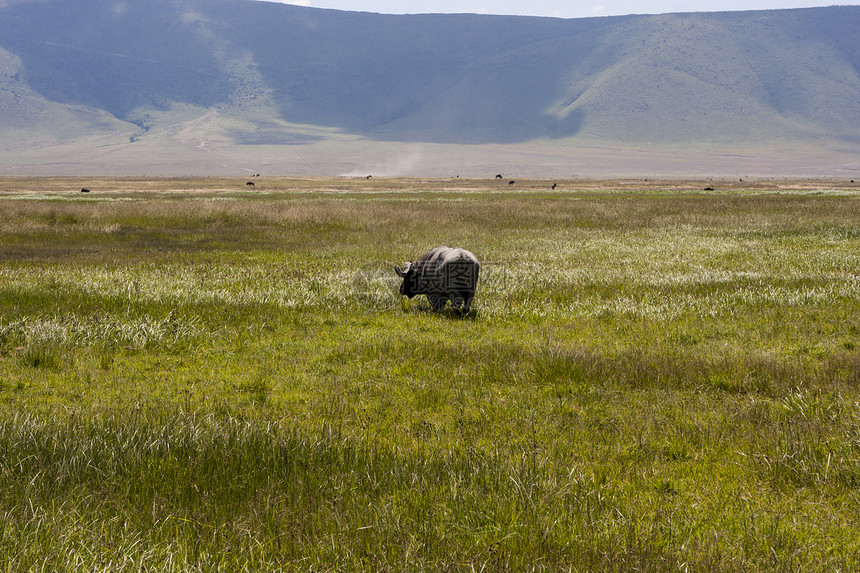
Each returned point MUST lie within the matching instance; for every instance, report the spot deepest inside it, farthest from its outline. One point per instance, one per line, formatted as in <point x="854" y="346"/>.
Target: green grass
<point x="195" y="378"/>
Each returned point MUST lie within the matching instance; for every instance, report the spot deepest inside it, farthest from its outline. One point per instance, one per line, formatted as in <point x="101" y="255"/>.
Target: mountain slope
<point x="274" y="71"/>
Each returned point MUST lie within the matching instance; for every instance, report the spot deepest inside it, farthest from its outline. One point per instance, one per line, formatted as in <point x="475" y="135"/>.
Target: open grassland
<point x="196" y="375"/>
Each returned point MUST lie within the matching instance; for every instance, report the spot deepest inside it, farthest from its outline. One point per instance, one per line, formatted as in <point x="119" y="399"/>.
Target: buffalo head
<point x="407" y="273"/>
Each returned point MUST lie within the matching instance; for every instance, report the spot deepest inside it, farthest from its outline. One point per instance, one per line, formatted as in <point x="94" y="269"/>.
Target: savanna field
<point x="199" y="375"/>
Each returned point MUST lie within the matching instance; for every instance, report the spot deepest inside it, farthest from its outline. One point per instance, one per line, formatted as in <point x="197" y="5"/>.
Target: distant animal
<point x="85" y="190"/>
<point x="554" y="185"/>
<point x="511" y="182"/>
<point x="369" y="176"/>
<point x="442" y="274"/>
<point x="709" y="188"/>
<point x="250" y="183"/>
<point x="499" y="176"/>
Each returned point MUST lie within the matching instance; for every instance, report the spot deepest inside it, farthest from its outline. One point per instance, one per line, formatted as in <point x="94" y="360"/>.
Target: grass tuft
<point x="41" y="355"/>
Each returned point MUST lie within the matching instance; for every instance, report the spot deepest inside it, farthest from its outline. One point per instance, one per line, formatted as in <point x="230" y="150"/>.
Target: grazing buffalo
<point x="554" y="185"/>
<point x="442" y="274"/>
<point x="250" y="183"/>
<point x="511" y="182"/>
<point x="85" y="190"/>
<point x="499" y="176"/>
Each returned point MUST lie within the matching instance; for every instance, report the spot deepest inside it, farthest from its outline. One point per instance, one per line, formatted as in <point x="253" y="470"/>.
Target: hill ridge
<point x="281" y="73"/>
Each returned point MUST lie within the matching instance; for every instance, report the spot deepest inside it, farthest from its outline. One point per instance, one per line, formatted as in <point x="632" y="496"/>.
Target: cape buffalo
<point x="442" y="274"/>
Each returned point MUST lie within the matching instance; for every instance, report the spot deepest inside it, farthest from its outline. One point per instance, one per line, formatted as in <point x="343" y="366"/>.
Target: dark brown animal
<point x="443" y="274"/>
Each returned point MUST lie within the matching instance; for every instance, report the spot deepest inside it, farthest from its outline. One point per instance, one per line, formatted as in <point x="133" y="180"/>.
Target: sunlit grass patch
<point x="89" y="332"/>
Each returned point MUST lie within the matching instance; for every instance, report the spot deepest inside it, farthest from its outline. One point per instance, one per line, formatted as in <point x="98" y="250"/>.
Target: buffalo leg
<point x="436" y="301"/>
<point x="458" y="301"/>
<point x="467" y="302"/>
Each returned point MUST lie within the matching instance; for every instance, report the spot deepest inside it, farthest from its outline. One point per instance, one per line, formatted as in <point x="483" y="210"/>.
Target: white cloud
<point x="192" y="17"/>
<point x="120" y="8"/>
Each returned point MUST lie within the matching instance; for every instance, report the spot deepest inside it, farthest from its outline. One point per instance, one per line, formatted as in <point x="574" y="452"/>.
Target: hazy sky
<point x="558" y="8"/>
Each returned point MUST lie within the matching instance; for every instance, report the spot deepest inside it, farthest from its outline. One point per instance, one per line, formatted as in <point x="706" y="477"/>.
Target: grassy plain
<point x="196" y="375"/>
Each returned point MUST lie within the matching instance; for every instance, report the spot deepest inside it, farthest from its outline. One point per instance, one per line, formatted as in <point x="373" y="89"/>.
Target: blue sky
<point x="558" y="8"/>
